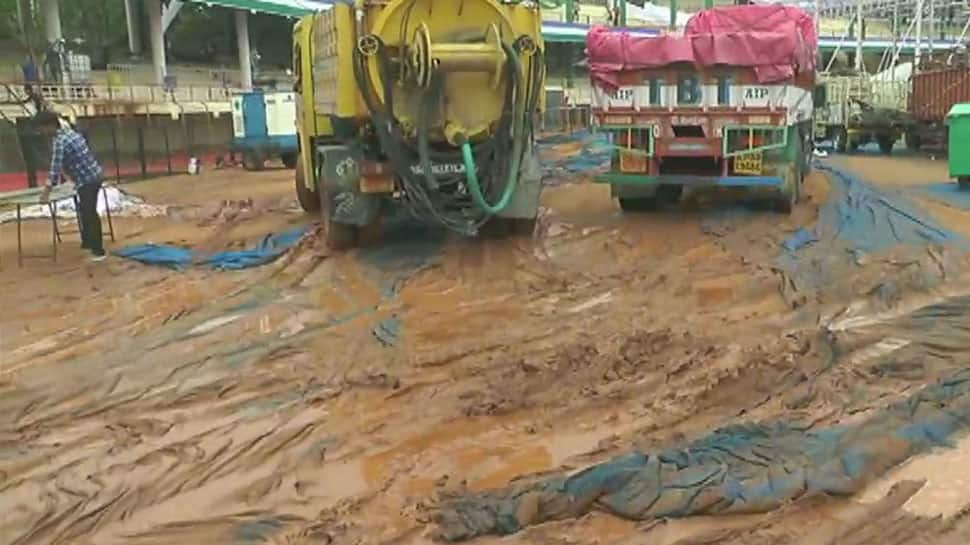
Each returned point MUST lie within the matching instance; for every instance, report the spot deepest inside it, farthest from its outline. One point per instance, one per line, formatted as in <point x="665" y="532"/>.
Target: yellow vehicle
<point x="425" y="103"/>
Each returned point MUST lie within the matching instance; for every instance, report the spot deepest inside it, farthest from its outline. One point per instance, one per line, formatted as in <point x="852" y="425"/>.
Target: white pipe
<point x="134" y="29"/>
<point x="242" y="36"/>
<point x="157" y="38"/>
<point x="52" y="21"/>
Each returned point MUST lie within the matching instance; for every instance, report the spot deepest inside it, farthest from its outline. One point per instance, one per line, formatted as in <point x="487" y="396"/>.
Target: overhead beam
<point x="169" y="12"/>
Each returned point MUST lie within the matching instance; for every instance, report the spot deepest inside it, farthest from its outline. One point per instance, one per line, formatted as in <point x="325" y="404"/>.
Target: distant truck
<point x="936" y="88"/>
<point x="264" y="126"/>
<point x="854" y="110"/>
<point x="728" y="104"/>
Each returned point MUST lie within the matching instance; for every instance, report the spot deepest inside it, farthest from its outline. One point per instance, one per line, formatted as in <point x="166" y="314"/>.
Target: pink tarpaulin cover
<point x="777" y="41"/>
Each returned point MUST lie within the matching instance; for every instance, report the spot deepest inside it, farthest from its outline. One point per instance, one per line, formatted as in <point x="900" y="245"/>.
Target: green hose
<point x="518" y="117"/>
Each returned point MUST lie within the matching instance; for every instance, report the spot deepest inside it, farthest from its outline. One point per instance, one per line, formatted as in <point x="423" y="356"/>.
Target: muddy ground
<point x="334" y="398"/>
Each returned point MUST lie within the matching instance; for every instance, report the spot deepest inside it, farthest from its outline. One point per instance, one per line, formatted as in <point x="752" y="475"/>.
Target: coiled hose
<point x="519" y="113"/>
<point x="515" y="120"/>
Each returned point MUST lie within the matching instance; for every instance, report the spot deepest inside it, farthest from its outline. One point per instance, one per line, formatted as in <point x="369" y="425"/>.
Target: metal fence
<point x="131" y="94"/>
<point x="128" y="148"/>
<point x="565" y="119"/>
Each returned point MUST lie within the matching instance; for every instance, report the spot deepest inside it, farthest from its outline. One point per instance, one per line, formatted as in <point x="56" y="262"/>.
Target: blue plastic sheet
<point x="559" y="153"/>
<point x="749" y="468"/>
<point x="269" y="249"/>
<point x="858" y="218"/>
<point x="948" y="193"/>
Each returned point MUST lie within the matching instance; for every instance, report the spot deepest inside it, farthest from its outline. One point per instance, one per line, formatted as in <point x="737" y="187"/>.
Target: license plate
<point x="749" y="163"/>
<point x="633" y="161"/>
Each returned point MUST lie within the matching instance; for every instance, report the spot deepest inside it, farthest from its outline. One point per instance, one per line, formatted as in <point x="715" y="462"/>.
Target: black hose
<point x="451" y="209"/>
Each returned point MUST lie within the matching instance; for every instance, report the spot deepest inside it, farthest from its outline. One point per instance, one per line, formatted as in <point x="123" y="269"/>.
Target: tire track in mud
<point x="303" y="428"/>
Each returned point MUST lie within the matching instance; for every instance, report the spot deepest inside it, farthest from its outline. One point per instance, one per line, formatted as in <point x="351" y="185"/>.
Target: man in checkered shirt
<point x="71" y="155"/>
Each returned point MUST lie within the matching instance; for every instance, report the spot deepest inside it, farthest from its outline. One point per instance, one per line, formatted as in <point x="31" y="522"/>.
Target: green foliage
<point x="99" y="23"/>
<point x="198" y="34"/>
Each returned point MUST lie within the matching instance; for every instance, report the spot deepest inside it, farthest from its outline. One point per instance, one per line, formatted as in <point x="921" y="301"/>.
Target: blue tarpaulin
<point x="748" y="468"/>
<point x="271" y="247"/>
<point x="858" y="218"/>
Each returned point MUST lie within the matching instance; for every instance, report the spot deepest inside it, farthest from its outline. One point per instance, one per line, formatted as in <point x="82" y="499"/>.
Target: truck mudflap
<point x="525" y="200"/>
<point x="338" y="184"/>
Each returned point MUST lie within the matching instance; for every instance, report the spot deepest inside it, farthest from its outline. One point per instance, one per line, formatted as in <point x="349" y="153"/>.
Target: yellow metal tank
<point x="418" y="91"/>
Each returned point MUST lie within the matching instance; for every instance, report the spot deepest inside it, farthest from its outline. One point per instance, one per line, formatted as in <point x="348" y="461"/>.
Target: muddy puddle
<point x="344" y="398"/>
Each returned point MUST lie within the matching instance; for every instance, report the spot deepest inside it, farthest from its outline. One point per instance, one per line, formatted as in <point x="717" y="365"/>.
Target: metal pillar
<point x="156" y="38"/>
<point x="570" y="11"/>
<point x="242" y="37"/>
<point x="919" y="33"/>
<point x="52" y="21"/>
<point x="818" y="18"/>
<point x="673" y="14"/>
<point x="859" y="64"/>
<point x="134" y="29"/>
<point x="931" y="29"/>
<point x="25" y="20"/>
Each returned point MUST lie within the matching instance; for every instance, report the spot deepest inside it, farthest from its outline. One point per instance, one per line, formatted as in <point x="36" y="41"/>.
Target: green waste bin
<point x="958" y="122"/>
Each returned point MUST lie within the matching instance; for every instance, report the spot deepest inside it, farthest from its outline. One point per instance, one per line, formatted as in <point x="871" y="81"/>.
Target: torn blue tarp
<point x="577" y="153"/>
<point x="871" y="218"/>
<point x="749" y="468"/>
<point x="271" y="247"/>
<point x="858" y="218"/>
<point x="803" y="237"/>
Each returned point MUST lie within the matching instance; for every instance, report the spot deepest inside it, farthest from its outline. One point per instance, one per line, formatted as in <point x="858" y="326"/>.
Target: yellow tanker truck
<point x="427" y="104"/>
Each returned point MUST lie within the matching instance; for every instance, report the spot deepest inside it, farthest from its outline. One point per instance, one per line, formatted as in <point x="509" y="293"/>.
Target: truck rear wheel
<point x="289" y="160"/>
<point x="790" y="193"/>
<point x="886" y="144"/>
<point x="667" y="195"/>
<point x="339" y="236"/>
<point x="253" y="160"/>
<point x="497" y="227"/>
<point x="840" y="140"/>
<point x="308" y="197"/>
<point x="638" y="204"/>
<point x="913" y="141"/>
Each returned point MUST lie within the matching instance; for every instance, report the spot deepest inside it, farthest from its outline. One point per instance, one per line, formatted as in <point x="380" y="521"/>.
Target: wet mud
<point x="348" y="398"/>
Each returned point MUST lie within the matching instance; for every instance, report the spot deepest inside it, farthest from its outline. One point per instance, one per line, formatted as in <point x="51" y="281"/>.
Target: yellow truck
<point x="425" y="104"/>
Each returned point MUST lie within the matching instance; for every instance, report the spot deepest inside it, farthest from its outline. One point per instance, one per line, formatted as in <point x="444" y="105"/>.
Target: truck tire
<point x="638" y="204"/>
<point x="667" y="195"/>
<point x="253" y="160"/>
<point x="886" y="144"/>
<point x="289" y="160"/>
<point x="339" y="236"/>
<point x="963" y="183"/>
<point x="840" y="140"/>
<point x="308" y="197"/>
<point x="497" y="227"/>
<point x="789" y="196"/>
<point x="913" y="141"/>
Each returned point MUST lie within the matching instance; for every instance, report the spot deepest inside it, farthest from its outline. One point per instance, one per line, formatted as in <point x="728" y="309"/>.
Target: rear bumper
<point x="771" y="182"/>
